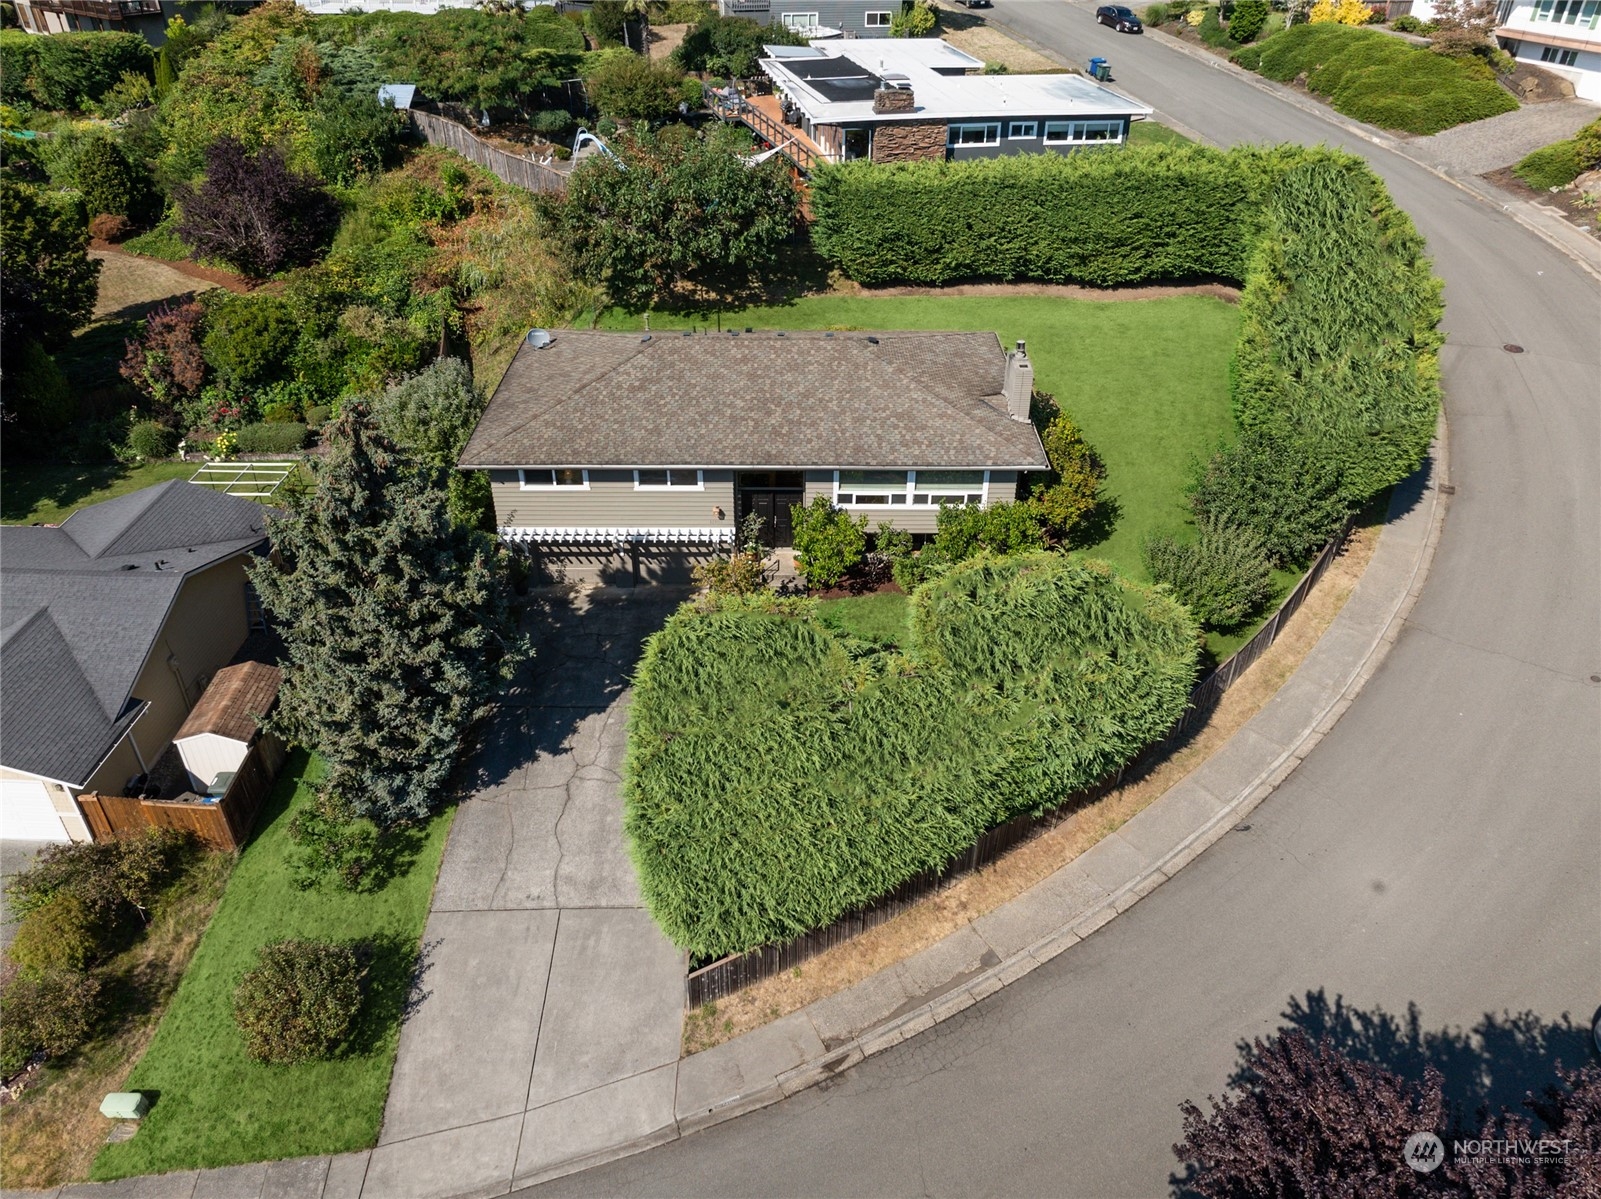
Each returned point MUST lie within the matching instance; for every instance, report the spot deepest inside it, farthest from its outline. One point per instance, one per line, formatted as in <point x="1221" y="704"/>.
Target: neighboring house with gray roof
<point x="111" y="625"/>
<point x="654" y="441"/>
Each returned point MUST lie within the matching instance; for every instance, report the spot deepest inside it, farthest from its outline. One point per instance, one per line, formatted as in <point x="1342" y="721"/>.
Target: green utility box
<point x="124" y="1105"/>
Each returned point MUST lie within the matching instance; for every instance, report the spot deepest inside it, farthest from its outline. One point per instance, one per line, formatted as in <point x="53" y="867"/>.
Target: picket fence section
<point x="722" y="978"/>
<point x="438" y="130"/>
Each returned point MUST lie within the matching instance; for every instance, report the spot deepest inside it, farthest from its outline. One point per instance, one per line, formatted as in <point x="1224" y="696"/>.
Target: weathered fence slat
<point x="509" y="168"/>
<point x="722" y="978"/>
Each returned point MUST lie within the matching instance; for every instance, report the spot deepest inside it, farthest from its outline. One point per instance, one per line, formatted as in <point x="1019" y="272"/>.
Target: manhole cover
<point x="1512" y="349"/>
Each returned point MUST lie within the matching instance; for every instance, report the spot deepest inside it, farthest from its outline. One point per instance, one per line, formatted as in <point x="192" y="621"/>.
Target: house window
<point x="976" y="135"/>
<point x="949" y="486"/>
<point x="1503" y="12"/>
<point x="1023" y="129"/>
<point x="1591" y="16"/>
<point x="1078" y="133"/>
<point x="1562" y="58"/>
<point x="669" y="480"/>
<point x="1542" y="10"/>
<point x="554" y="478"/>
<point x="859" y="488"/>
<point x="878" y="20"/>
<point x="799" y="20"/>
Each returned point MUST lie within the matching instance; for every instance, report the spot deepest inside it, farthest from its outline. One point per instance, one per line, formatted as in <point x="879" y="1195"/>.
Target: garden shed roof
<point x="82" y="604"/>
<point x="238" y="694"/>
<point x="768" y="399"/>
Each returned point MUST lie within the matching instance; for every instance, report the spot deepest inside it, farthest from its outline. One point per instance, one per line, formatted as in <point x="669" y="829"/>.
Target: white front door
<point x="26" y="813"/>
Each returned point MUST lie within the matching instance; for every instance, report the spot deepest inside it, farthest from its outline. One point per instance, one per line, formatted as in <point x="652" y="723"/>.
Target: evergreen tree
<point x="48" y="282"/>
<point x="399" y="629"/>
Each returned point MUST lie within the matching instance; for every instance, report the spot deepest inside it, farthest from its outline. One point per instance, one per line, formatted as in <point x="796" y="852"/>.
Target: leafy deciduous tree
<point x="632" y="88"/>
<point x="397" y="625"/>
<point x="692" y="214"/>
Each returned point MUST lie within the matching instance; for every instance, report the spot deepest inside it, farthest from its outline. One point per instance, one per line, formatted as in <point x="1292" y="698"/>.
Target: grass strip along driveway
<point x="213" y="1105"/>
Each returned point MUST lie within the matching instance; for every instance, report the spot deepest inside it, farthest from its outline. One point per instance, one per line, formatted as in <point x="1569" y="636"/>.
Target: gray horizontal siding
<point x="612" y="502"/>
<point x="849" y="16"/>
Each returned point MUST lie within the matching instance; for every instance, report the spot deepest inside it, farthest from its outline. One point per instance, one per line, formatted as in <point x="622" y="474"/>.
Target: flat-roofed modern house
<point x="625" y="456"/>
<point x="903" y="99"/>
<point x="111" y="627"/>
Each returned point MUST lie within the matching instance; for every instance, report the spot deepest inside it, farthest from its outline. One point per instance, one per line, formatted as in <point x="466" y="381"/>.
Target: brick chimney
<point x="894" y="99"/>
<point x="1018" y="387"/>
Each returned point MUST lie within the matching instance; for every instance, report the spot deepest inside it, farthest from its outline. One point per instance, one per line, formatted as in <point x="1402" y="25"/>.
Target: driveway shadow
<point x="586" y="646"/>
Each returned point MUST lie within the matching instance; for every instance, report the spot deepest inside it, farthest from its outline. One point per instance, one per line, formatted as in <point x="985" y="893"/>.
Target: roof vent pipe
<point x="1018" y="384"/>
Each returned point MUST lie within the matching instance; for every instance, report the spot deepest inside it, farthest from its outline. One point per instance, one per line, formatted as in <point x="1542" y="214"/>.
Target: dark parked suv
<point x="1119" y="18"/>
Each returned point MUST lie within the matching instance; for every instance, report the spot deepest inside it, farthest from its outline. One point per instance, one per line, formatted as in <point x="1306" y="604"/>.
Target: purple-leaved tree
<point x="254" y="213"/>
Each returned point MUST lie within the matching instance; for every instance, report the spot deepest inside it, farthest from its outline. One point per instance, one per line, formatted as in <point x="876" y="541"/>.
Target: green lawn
<point x="881" y="618"/>
<point x="214" y="1106"/>
<point x="1147" y="380"/>
<point x="1149" y="133"/>
<point x="49" y="494"/>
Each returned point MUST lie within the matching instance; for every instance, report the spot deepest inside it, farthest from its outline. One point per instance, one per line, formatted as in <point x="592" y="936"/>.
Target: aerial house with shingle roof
<point x="658" y="445"/>
<point x="111" y="626"/>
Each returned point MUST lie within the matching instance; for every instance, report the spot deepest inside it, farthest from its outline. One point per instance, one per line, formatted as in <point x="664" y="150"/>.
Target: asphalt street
<point x="1440" y="849"/>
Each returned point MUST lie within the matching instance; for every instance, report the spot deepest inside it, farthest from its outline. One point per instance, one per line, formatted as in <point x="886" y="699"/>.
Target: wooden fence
<point x="225" y="824"/>
<point x="722" y="978"/>
<point x="438" y="130"/>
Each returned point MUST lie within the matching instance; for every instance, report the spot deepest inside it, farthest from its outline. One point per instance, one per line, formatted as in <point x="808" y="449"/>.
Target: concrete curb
<point x="813" y="1045"/>
<point x="1581" y="248"/>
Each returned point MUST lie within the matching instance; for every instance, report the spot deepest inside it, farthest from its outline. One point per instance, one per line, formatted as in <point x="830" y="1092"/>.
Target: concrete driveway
<point x="15" y="857"/>
<point x="552" y="1006"/>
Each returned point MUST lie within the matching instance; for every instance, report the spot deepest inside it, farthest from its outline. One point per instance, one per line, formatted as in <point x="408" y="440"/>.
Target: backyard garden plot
<point x="780" y="774"/>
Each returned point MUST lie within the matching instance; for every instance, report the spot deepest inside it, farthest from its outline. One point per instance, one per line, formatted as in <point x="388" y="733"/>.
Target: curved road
<point x="1441" y="847"/>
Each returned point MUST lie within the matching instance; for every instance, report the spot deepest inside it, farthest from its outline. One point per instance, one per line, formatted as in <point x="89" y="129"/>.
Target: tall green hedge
<point x="779" y="775"/>
<point x="1140" y="213"/>
<point x="1338" y="340"/>
<point x="70" y="70"/>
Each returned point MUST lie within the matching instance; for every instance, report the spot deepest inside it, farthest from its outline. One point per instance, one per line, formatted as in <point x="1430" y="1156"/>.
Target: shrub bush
<point x="966" y="530"/>
<point x="248" y="338"/>
<point x="1155" y="14"/>
<point x="113" y="880"/>
<point x="73" y="70"/>
<point x="631" y="88"/>
<point x="279" y="437"/>
<point x="112" y="183"/>
<point x="829" y="543"/>
<point x="54" y="1015"/>
<point x="553" y="123"/>
<point x="1223" y="576"/>
<point x="166" y="362"/>
<point x="334" y="845"/>
<point x="873" y="768"/>
<point x="1146" y="212"/>
<point x="740" y="573"/>
<point x="110" y="227"/>
<point x="1068" y="496"/>
<point x="1587" y="143"/>
<point x="1274" y="487"/>
<point x="1382" y="80"/>
<point x="57" y="935"/>
<point x="1407" y="23"/>
<point x="152" y="440"/>
<point x="1556" y="165"/>
<point x="1211" y="29"/>
<point x="1247" y="19"/>
<point x="300" y="1002"/>
<point x="317" y="415"/>
<point x="1249" y="57"/>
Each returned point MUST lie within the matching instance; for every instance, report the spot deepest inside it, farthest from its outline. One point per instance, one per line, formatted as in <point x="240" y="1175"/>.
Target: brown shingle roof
<point x="801" y="399"/>
<point x="237" y="695"/>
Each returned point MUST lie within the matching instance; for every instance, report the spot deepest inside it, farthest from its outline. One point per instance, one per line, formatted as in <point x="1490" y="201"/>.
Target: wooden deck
<point x="764" y="117"/>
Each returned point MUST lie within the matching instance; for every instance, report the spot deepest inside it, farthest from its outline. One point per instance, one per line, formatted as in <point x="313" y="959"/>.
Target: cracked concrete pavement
<point x="553" y="1009"/>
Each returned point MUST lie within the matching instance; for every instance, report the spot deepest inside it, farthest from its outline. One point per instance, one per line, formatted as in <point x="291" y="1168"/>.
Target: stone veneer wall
<point x="909" y="141"/>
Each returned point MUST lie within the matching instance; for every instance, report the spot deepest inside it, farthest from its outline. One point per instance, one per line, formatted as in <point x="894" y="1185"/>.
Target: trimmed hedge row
<point x="1381" y="80"/>
<point x="780" y="774"/>
<point x="1140" y="213"/>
